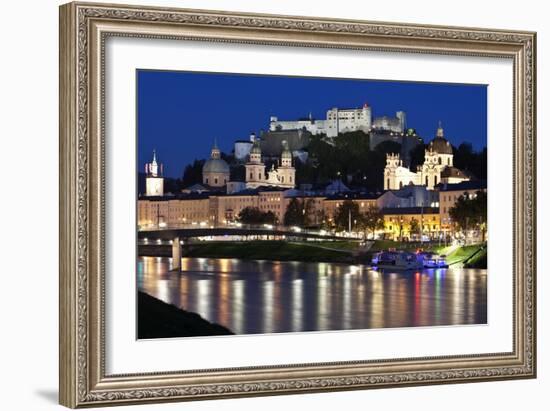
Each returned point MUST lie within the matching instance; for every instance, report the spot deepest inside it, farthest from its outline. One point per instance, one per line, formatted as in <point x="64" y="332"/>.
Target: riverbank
<point x="347" y="252"/>
<point x="156" y="319"/>
<point x="471" y="256"/>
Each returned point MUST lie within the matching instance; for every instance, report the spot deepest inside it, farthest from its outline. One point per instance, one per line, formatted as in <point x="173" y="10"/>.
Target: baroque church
<point x="282" y="176"/>
<point x="437" y="168"/>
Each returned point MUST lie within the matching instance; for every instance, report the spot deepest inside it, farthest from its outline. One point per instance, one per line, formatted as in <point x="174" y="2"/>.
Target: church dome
<point x="440" y="145"/>
<point x="215" y="165"/>
<point x="256" y="149"/>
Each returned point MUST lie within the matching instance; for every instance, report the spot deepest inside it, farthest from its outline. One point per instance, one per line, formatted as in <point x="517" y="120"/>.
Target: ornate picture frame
<point x="84" y="28"/>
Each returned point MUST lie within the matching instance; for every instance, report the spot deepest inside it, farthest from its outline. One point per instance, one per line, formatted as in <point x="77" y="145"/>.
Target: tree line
<point x="301" y="213"/>
<point x="470" y="213"/>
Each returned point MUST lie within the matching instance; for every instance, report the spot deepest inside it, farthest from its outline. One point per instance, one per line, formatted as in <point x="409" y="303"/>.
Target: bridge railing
<point x="253" y="228"/>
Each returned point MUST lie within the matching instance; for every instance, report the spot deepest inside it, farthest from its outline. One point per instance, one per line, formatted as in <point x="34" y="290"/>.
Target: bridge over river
<point x="194" y="232"/>
<point x="178" y="235"/>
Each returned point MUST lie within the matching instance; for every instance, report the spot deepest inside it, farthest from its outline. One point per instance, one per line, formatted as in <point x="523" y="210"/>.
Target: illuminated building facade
<point x="332" y="203"/>
<point x="409" y="223"/>
<point x="172" y="212"/>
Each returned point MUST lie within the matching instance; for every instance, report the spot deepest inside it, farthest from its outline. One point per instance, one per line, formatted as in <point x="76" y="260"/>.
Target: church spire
<point x="440" y="130"/>
<point x="215" y="153"/>
<point x="152" y="168"/>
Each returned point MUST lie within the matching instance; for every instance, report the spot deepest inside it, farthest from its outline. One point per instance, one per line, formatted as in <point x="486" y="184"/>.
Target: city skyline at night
<point x="181" y="114"/>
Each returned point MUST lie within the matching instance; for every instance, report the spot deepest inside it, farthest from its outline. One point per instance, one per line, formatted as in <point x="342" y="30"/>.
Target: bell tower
<point x="255" y="168"/>
<point x="393" y="162"/>
<point x="154" y="182"/>
<point x="287" y="173"/>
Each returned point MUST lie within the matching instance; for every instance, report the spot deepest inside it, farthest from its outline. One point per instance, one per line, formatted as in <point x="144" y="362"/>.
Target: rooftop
<point x="354" y="196"/>
<point x="409" y="210"/>
<point x="179" y="196"/>
<point x="453" y="172"/>
<point x="464" y="185"/>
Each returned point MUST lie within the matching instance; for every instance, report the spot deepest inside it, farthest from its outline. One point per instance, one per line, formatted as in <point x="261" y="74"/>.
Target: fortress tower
<point x="154" y="182"/>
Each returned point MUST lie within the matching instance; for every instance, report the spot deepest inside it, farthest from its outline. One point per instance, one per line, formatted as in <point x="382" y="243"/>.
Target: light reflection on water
<point x="250" y="297"/>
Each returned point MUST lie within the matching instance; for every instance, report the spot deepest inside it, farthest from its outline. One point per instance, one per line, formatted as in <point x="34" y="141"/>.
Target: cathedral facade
<point x="283" y="176"/>
<point x="437" y="168"/>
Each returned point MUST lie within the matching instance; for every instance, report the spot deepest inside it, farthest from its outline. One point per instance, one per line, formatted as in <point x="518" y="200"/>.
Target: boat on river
<point x="403" y="260"/>
<point x="432" y="260"/>
<point x="396" y="260"/>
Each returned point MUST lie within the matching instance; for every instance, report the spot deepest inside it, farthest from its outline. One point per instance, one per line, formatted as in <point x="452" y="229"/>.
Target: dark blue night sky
<point x="181" y="113"/>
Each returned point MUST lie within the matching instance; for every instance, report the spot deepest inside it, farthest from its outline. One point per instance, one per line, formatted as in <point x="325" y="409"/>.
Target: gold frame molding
<point x="83" y="30"/>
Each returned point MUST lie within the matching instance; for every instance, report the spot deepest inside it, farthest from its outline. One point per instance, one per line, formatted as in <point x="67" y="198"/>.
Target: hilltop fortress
<point x="296" y="133"/>
<point x="336" y="121"/>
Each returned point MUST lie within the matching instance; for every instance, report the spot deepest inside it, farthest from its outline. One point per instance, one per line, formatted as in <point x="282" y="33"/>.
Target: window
<point x="215" y="181"/>
<point x="251" y="177"/>
<point x="206" y="180"/>
<point x="439" y="160"/>
<point x="259" y="176"/>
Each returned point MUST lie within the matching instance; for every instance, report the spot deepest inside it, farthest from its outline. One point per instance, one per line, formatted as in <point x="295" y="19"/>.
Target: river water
<point x="250" y="297"/>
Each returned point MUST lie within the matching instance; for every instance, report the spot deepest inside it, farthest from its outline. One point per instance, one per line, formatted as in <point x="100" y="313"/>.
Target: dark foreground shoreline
<point x="156" y="319"/>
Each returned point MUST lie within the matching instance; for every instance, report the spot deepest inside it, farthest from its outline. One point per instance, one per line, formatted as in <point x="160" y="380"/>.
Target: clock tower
<point x="154" y="182"/>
